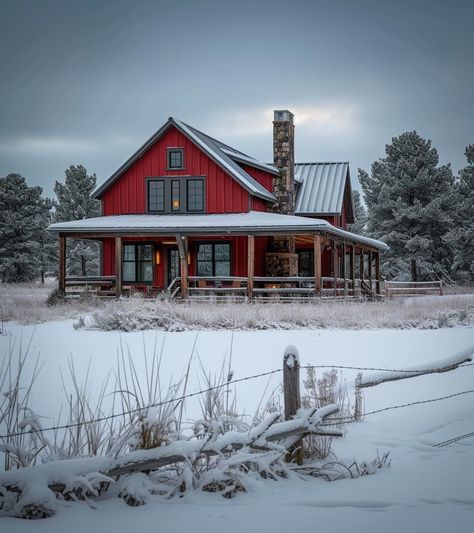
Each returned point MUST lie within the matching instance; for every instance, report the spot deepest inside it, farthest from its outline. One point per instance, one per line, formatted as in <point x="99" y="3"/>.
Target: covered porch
<point x="225" y="255"/>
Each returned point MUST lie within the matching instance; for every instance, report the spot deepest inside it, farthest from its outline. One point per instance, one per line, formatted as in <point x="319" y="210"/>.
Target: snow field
<point x="426" y="488"/>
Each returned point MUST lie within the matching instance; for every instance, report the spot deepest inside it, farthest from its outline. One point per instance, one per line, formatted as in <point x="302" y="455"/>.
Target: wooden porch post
<point x="317" y="264"/>
<point x="344" y="272"/>
<point x="361" y="268"/>
<point x="369" y="253"/>
<point x="334" y="258"/>
<point x="62" y="265"/>
<point x="250" y="265"/>
<point x="182" y="243"/>
<point x="118" y="266"/>
<point x="352" y="268"/>
<point x="377" y="272"/>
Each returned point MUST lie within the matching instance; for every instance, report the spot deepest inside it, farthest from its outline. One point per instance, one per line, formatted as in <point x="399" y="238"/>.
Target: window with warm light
<point x="176" y="195"/>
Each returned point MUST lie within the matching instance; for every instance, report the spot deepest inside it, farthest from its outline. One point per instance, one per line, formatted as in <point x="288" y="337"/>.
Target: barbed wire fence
<point x="334" y="420"/>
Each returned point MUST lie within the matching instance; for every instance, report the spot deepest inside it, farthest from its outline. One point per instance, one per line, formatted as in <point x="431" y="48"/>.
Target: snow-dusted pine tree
<point x="461" y="236"/>
<point x="26" y="251"/>
<point x="360" y="215"/>
<point x="410" y="204"/>
<point x="74" y="202"/>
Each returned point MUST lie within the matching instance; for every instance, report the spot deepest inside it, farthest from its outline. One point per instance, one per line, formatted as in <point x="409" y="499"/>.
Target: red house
<point x="192" y="215"/>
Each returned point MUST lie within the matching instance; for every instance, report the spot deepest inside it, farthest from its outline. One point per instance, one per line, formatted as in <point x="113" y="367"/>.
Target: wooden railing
<point x="413" y="288"/>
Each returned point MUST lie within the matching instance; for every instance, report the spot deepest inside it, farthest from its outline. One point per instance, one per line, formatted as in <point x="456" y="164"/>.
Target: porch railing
<point x="267" y="287"/>
<point x="413" y="288"/>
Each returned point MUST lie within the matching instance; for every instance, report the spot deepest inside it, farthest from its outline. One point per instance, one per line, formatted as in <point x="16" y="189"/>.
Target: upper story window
<point x="177" y="195"/>
<point x="175" y="158"/>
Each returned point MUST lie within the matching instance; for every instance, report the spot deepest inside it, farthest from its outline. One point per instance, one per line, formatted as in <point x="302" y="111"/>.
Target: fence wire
<point x="240" y="380"/>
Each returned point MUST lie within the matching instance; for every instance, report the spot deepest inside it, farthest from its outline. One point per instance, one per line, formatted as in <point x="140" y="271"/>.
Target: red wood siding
<point x="128" y="194"/>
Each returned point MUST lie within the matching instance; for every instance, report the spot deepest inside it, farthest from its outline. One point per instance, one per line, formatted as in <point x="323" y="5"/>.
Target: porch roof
<point x="251" y="223"/>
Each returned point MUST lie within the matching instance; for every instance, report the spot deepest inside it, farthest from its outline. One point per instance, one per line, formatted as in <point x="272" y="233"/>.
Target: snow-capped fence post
<point x="292" y="399"/>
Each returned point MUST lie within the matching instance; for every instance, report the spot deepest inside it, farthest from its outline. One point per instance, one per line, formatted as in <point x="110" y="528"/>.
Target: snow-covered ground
<point x="426" y="488"/>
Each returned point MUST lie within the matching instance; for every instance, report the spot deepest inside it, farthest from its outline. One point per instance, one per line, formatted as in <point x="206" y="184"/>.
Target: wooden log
<point x="334" y="258"/>
<point x="377" y="272"/>
<point x="62" y="265"/>
<point x="291" y="393"/>
<point x="118" y="266"/>
<point x="317" y="264"/>
<point x="352" y="268"/>
<point x="369" y="268"/>
<point x="344" y="273"/>
<point x="182" y="243"/>
<point x="250" y="265"/>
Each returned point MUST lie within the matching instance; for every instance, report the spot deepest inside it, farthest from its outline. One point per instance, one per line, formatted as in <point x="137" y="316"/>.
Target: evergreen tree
<point x="360" y="215"/>
<point x="410" y="205"/>
<point x="461" y="236"/>
<point x="24" y="217"/>
<point x="74" y="202"/>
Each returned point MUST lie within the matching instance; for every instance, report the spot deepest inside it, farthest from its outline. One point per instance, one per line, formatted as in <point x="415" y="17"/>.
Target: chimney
<point x="284" y="160"/>
<point x="280" y="258"/>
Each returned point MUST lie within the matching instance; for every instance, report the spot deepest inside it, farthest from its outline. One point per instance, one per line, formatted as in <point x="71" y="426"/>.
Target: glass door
<point x="173" y="265"/>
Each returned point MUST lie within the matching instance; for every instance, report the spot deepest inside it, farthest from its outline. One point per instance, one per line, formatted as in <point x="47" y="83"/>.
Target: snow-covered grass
<point x="26" y="304"/>
<point x="426" y="488"/>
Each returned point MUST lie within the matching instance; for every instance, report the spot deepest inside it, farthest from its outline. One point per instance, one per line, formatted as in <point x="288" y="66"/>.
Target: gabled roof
<point x="321" y="187"/>
<point x="251" y="223"/>
<point x="221" y="154"/>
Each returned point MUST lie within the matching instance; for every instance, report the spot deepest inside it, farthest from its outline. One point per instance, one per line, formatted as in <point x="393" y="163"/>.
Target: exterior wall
<point x="238" y="255"/>
<point x="128" y="194"/>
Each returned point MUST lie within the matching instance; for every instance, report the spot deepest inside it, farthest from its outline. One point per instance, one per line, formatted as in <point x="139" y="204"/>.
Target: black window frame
<point x="169" y="158"/>
<point x="137" y="262"/>
<point x="213" y="252"/>
<point x="188" y="182"/>
<point x="167" y="187"/>
<point x="173" y="197"/>
<point x="163" y="184"/>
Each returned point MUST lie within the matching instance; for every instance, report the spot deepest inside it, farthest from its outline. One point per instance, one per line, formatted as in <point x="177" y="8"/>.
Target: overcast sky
<point x="87" y="82"/>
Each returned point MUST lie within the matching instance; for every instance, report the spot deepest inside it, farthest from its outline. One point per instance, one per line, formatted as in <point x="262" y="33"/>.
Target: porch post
<point x="62" y="265"/>
<point x="361" y="268"/>
<point x="250" y="265"/>
<point x="344" y="273"/>
<point x="377" y="272"/>
<point x="352" y="268"/>
<point x="118" y="266"/>
<point x="317" y="264"/>
<point x="182" y="243"/>
<point x="334" y="257"/>
<point x="369" y="253"/>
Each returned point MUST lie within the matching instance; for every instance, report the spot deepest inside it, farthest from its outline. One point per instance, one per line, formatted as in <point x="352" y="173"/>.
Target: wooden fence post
<point x="291" y="393"/>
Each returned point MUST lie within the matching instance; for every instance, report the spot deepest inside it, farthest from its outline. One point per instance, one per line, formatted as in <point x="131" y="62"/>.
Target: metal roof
<point x="251" y="223"/>
<point x="321" y="187"/>
<point x="220" y="153"/>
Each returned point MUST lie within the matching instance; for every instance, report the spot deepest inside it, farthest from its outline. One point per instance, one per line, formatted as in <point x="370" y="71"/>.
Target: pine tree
<point x="74" y="202"/>
<point x="360" y="215"/>
<point x="410" y="201"/>
<point x="461" y="236"/>
<point x="24" y="217"/>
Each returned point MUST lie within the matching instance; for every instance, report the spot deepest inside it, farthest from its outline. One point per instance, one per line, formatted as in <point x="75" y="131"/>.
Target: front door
<point x="173" y="265"/>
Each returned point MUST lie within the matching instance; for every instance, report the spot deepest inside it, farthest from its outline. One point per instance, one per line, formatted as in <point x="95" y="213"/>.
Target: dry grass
<point x="27" y="304"/>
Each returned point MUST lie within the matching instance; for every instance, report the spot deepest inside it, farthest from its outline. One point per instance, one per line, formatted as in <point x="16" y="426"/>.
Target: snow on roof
<point x="222" y="154"/>
<point x="321" y="189"/>
<point x="253" y="222"/>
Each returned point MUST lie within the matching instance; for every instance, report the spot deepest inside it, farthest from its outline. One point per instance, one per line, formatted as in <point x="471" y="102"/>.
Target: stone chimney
<point x="284" y="160"/>
<point x="281" y="259"/>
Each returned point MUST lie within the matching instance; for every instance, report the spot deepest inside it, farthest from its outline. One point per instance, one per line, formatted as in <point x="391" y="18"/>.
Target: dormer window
<point x="175" y="158"/>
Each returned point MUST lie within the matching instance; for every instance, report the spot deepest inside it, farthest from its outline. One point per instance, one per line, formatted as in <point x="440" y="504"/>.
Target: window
<point x="138" y="263"/>
<point x="175" y="195"/>
<point x="213" y="259"/>
<point x="156" y="195"/>
<point x="196" y="195"/>
<point x="175" y="158"/>
<point x="305" y="263"/>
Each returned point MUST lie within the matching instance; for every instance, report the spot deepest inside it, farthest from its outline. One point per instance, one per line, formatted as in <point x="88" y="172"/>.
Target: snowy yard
<point x="426" y="488"/>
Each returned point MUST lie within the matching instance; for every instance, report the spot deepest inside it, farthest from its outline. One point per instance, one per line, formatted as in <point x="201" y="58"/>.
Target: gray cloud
<point x="87" y="82"/>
